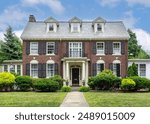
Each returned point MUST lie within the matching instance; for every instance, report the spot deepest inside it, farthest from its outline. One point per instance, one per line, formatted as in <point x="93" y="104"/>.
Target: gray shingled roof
<point x="112" y="31"/>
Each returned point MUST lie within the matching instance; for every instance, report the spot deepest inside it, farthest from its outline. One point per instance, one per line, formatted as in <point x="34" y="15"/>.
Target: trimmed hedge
<point x="104" y="81"/>
<point x="45" y="85"/>
<point x="128" y="84"/>
<point x="84" y="89"/>
<point x="58" y="79"/>
<point x="66" y="89"/>
<point x="24" y="83"/>
<point x="141" y="82"/>
<point x="7" y="81"/>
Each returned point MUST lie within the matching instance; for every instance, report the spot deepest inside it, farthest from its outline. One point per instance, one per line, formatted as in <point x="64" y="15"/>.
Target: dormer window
<point x="51" y="27"/>
<point x="99" y="27"/>
<point x="75" y="27"/>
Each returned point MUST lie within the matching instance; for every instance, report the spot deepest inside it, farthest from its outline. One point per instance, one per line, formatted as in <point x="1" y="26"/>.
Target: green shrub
<point x="45" y="85"/>
<point x="91" y="83"/>
<point x="66" y="89"/>
<point x="7" y="81"/>
<point x="58" y="79"/>
<point x="105" y="81"/>
<point x="132" y="70"/>
<point x="24" y="83"/>
<point x="84" y="89"/>
<point x="128" y="84"/>
<point x="141" y="82"/>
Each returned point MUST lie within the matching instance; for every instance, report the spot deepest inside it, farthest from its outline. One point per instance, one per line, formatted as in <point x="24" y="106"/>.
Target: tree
<point x="11" y="47"/>
<point x="133" y="47"/>
<point x="132" y="70"/>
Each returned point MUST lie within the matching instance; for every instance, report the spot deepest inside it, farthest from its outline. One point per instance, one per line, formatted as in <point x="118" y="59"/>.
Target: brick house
<point x="74" y="49"/>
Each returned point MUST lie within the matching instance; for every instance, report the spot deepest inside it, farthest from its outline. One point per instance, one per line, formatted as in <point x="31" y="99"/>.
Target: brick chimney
<point x="32" y="18"/>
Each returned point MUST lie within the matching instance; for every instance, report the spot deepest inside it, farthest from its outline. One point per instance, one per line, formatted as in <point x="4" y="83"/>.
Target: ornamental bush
<point x="91" y="83"/>
<point x="141" y="82"/>
<point x="105" y="81"/>
<point x="128" y="84"/>
<point x="58" y="79"/>
<point x="45" y="85"/>
<point x="66" y="89"/>
<point x="24" y="83"/>
<point x="84" y="89"/>
<point x="7" y="81"/>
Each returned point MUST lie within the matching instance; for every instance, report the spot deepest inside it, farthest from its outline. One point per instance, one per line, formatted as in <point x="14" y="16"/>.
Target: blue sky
<point x="134" y="13"/>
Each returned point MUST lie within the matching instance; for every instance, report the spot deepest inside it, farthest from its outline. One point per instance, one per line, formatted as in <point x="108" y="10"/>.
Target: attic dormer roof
<point x="51" y="20"/>
<point x="99" y="20"/>
<point x="75" y="20"/>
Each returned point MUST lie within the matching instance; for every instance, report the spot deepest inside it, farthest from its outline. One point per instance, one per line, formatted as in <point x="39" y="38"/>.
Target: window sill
<point x="33" y="54"/>
<point x="116" y="54"/>
<point x="100" y="54"/>
<point x="50" y="54"/>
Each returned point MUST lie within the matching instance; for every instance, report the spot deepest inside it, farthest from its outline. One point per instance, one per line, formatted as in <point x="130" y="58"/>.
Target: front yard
<point x="31" y="99"/>
<point x="112" y="99"/>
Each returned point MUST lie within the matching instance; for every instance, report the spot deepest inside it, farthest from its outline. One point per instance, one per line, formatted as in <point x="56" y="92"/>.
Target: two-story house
<point x="74" y="49"/>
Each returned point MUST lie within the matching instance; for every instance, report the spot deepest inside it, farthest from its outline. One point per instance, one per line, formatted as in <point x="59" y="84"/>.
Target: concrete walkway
<point x="74" y="99"/>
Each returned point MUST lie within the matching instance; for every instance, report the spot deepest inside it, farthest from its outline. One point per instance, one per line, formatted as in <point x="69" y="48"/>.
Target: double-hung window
<point x="33" y="48"/>
<point x="116" y="69"/>
<point x="5" y="68"/>
<point x="142" y="70"/>
<point x="12" y="68"/>
<point x="75" y="49"/>
<point x="100" y="67"/>
<point x="19" y="69"/>
<point x="50" y="47"/>
<point x="51" y="27"/>
<point x="100" y="47"/>
<point x="34" y="70"/>
<point x="116" y="48"/>
<point x="50" y="70"/>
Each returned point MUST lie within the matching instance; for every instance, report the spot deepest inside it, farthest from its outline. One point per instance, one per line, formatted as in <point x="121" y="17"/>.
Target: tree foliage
<point x="11" y="47"/>
<point x="132" y="70"/>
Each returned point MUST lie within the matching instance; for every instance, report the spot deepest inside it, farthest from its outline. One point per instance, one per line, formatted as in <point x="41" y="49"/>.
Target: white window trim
<point x="117" y="62"/>
<point x="103" y="49"/>
<point x="34" y="62"/>
<point x="119" y="49"/>
<point x="49" y="62"/>
<point x="54" y="27"/>
<point x="95" y="28"/>
<point x="53" y="54"/>
<point x="77" y="48"/>
<point x="37" y="48"/>
<point x="72" y="27"/>
<point x="139" y="70"/>
<point x="99" y="62"/>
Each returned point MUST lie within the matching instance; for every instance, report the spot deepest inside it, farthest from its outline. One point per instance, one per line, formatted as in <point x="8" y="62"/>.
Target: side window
<point x="116" y="48"/>
<point x="33" y="47"/>
<point x="50" y="47"/>
<point x="100" y="48"/>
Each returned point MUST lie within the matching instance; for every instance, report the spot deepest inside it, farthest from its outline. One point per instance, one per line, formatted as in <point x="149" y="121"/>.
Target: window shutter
<point x="44" y="70"/>
<point x="102" y="67"/>
<point x="40" y="70"/>
<point x="94" y="69"/>
<point x="106" y="47"/>
<point x="110" y="47"/>
<point x="94" y="47"/>
<point x="56" y="48"/>
<point x="118" y="70"/>
<point x="83" y="49"/>
<point x="56" y="68"/>
<point x="40" y="48"/>
<point x="27" y="48"/>
<point x="111" y="66"/>
<point x="44" y="48"/>
<point x="28" y="69"/>
<point x="123" y="47"/>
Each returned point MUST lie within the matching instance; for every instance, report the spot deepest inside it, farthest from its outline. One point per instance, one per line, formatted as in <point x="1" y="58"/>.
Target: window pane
<point x="50" y="47"/>
<point x="12" y="68"/>
<point x="75" y="49"/>
<point x="50" y="70"/>
<point x="100" y="48"/>
<point x="100" y="68"/>
<point x="5" y="68"/>
<point x="19" y="69"/>
<point x="116" y="69"/>
<point x="34" y="70"/>
<point x="143" y="70"/>
<point x="99" y="27"/>
<point x="116" y="48"/>
<point x="33" y="48"/>
<point x="51" y="27"/>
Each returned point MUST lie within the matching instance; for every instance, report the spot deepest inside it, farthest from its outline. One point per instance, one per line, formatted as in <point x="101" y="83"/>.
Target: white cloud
<point x="109" y="3"/>
<point x="55" y="5"/>
<point x="12" y="16"/>
<point x="142" y="2"/>
<point x="143" y="38"/>
<point x="129" y="20"/>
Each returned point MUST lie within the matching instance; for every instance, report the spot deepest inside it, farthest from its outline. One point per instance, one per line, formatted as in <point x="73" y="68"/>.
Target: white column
<point x="87" y="73"/>
<point x="64" y="72"/>
<point x="83" y="71"/>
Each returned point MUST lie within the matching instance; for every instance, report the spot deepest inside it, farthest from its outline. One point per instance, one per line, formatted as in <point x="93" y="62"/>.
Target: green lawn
<point x="31" y="99"/>
<point x="111" y="99"/>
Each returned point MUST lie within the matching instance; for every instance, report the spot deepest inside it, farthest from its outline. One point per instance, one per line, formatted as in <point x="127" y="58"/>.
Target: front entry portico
<point x="75" y="71"/>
